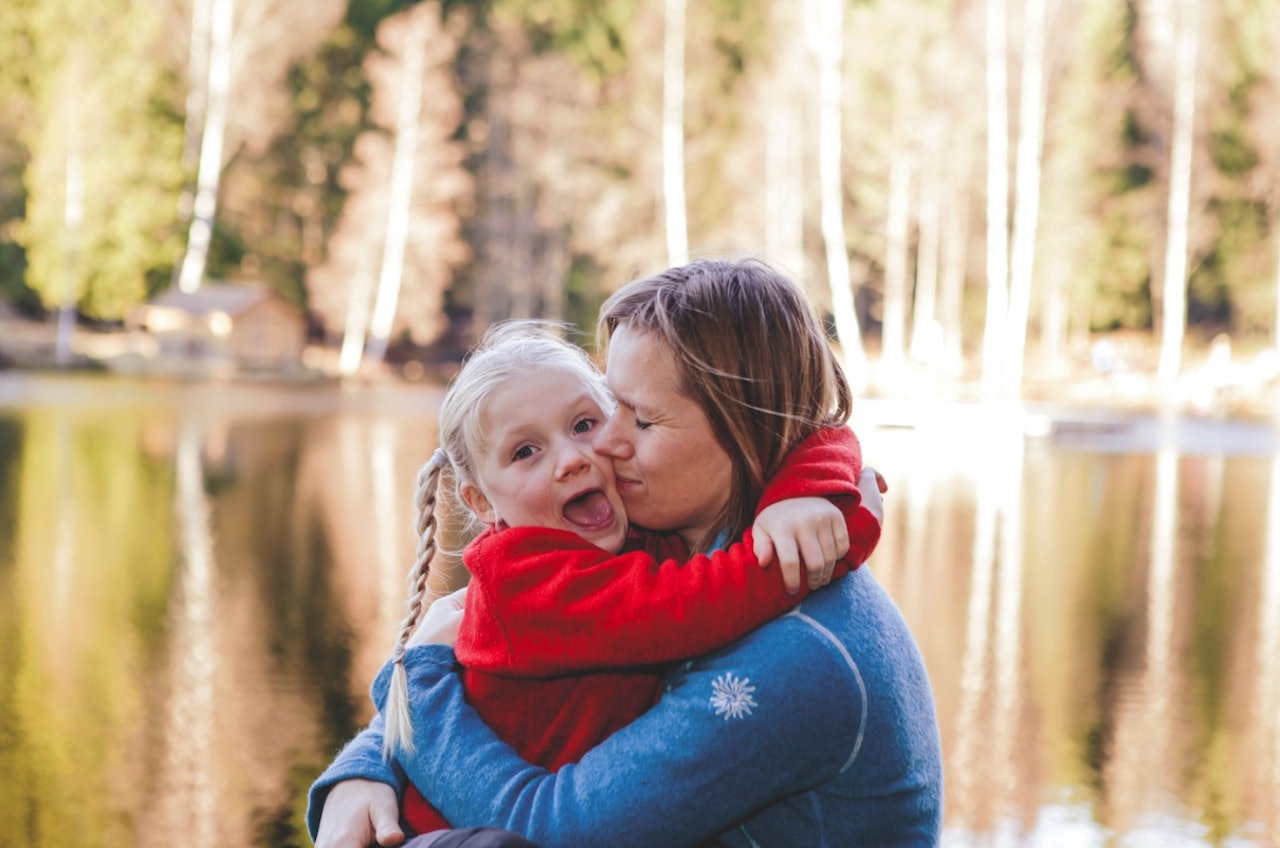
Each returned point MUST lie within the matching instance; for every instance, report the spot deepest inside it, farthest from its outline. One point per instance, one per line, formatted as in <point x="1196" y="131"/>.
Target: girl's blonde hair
<point x="508" y="350"/>
<point x="751" y="353"/>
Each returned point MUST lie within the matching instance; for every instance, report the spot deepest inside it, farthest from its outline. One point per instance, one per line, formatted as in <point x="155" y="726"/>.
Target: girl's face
<point x="672" y="473"/>
<point x="537" y="468"/>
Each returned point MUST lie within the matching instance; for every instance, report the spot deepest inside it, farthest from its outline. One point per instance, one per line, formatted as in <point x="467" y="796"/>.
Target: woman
<point x="818" y="728"/>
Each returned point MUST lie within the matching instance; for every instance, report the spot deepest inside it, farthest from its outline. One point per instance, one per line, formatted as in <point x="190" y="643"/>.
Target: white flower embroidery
<point x="731" y="696"/>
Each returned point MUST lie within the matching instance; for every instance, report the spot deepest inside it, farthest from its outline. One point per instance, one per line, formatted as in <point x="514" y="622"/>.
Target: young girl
<point x="564" y="639"/>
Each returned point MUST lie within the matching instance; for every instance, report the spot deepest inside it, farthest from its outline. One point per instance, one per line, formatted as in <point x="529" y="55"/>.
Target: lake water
<point x="197" y="583"/>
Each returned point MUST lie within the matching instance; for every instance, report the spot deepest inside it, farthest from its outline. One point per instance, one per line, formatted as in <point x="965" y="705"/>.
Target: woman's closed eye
<point x="629" y="411"/>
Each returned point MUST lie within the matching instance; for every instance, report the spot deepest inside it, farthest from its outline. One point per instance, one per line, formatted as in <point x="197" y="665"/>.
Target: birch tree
<point x="954" y="148"/>
<point x="897" y="243"/>
<point x="73" y="219"/>
<point x="997" y="192"/>
<point x="197" y="81"/>
<point x="1275" y="75"/>
<point x="399" y="233"/>
<point x="783" y="132"/>
<point x="1275" y="327"/>
<point x="213" y="136"/>
<point x="1174" y="312"/>
<point x="924" y="312"/>
<point x="413" y="61"/>
<point x="830" y="177"/>
<point x="1027" y="198"/>
<point x="250" y="44"/>
<point x="673" y="196"/>
<point x="955" y="258"/>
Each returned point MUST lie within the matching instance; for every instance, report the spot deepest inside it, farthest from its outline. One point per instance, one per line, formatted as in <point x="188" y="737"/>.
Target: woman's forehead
<point x="640" y="366"/>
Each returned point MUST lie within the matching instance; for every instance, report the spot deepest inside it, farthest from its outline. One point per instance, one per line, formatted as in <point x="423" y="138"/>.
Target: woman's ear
<point x="478" y="503"/>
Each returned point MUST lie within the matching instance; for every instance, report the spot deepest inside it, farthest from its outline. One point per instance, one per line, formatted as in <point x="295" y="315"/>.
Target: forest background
<point x="979" y="186"/>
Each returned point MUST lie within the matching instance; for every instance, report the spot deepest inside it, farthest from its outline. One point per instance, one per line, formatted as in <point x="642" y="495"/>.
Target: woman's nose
<point x="609" y="442"/>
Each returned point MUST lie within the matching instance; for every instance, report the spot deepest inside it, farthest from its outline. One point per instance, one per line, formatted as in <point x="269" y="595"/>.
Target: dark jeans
<point x="470" y="837"/>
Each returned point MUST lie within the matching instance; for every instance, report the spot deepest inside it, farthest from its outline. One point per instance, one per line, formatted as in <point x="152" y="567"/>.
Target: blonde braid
<point x="398" y="729"/>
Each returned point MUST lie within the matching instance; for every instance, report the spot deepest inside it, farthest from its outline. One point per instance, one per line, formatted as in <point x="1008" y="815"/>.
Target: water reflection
<point x="1266" y="712"/>
<point x="987" y="772"/>
<point x="188" y="790"/>
<point x="197" y="584"/>
<point x="1142" y="747"/>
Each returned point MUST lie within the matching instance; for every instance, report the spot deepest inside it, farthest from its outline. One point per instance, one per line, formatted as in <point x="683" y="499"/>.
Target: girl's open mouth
<point x="589" y="509"/>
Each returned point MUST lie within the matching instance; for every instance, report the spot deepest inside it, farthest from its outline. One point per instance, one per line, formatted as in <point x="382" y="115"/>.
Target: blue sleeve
<point x="359" y="758"/>
<point x="773" y="715"/>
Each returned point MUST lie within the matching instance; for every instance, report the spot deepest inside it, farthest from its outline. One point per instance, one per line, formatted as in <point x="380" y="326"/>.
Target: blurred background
<point x="243" y="244"/>
<point x="983" y="187"/>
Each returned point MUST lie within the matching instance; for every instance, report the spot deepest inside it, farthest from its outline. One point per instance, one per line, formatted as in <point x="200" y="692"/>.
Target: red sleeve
<point x="827" y="465"/>
<point x="546" y="602"/>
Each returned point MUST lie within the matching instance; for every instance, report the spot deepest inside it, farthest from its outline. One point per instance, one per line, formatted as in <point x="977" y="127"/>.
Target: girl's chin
<point x="610" y="539"/>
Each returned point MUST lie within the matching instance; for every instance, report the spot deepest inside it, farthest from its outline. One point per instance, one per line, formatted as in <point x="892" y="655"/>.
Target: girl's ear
<point x="478" y="503"/>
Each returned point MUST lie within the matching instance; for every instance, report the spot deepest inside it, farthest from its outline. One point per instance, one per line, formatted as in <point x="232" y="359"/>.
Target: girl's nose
<point x="572" y="460"/>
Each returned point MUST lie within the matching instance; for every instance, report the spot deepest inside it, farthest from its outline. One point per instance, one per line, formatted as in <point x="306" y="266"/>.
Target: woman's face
<point x="672" y="473"/>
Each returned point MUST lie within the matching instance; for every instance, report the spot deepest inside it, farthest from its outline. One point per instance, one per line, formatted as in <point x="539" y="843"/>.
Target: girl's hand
<point x="872" y="486"/>
<point x="358" y="813"/>
<point x="439" y="626"/>
<point x="808" y="532"/>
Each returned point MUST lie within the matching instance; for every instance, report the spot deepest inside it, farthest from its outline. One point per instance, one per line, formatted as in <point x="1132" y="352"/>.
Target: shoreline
<point x="1211" y="385"/>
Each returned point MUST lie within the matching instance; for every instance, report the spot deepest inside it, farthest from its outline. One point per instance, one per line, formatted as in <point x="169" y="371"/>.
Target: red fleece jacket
<point x="563" y="643"/>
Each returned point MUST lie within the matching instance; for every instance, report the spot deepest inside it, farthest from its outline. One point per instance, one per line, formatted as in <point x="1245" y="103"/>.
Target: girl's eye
<point x="583" y="425"/>
<point x="522" y="452"/>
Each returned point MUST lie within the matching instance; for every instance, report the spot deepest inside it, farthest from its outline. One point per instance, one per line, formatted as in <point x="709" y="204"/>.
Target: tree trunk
<point x="830" y="127"/>
<point x="784" y="143"/>
<point x="211" y="144"/>
<point x="1027" y="211"/>
<point x="897" y="253"/>
<point x="520" y="247"/>
<point x="353" y="333"/>
<point x="955" y="259"/>
<point x="1175" y="264"/>
<point x="197" y="81"/>
<point x="673" y="134"/>
<point x="784" y="184"/>
<point x="1054" y="314"/>
<point x="492" y="293"/>
<point x="193" y="120"/>
<point x="413" y="60"/>
<point x="924" y="313"/>
<point x="72" y="220"/>
<point x="997" y="193"/>
<point x="1275" y="328"/>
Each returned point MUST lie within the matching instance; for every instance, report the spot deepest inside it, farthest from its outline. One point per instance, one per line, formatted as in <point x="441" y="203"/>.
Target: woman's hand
<point x="439" y="626"/>
<point x="359" y="813"/>
<point x="808" y="532"/>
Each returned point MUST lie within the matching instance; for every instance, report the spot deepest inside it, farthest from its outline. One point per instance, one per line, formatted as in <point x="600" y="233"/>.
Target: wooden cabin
<point x="225" y="326"/>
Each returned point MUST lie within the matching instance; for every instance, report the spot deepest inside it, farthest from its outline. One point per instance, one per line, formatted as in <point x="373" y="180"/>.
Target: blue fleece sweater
<point x="818" y="729"/>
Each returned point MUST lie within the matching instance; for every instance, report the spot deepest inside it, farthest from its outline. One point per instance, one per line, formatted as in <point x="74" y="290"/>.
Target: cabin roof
<point x="231" y="298"/>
